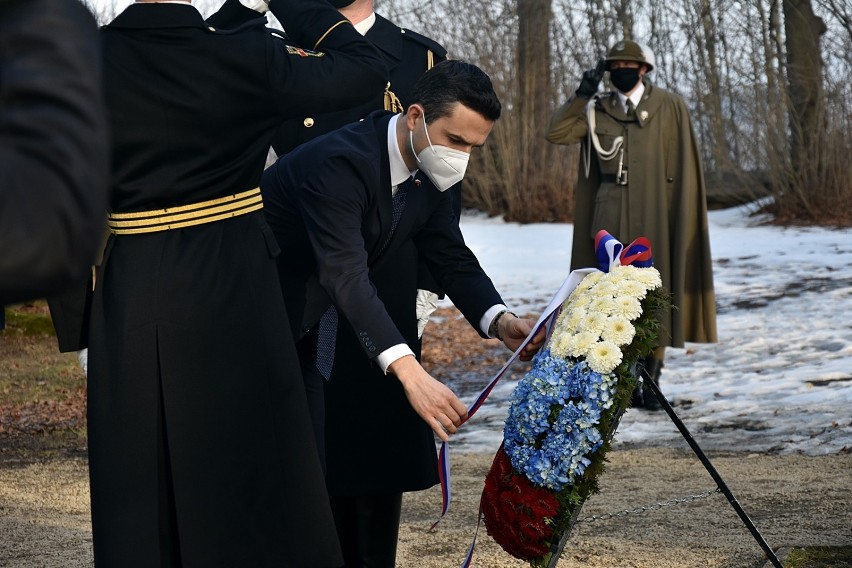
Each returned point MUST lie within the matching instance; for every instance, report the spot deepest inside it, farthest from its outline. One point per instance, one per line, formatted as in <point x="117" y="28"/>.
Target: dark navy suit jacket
<point x="329" y="205"/>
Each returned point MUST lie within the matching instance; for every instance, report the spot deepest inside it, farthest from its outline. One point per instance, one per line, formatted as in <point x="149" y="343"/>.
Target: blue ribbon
<point x="610" y="252"/>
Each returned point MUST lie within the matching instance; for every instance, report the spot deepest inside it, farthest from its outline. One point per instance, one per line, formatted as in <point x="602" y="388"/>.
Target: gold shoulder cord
<point x="392" y="102"/>
<point x="328" y="31"/>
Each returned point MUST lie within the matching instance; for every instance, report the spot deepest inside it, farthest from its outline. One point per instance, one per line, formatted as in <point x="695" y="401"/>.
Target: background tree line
<point x="767" y="83"/>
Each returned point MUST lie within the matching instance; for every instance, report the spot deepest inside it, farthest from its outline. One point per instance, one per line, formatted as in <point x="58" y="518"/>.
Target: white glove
<point x="261" y="6"/>
<point x="426" y="303"/>
<point x="83" y="359"/>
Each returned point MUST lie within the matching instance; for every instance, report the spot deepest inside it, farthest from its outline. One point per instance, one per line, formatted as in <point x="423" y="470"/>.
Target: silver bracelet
<point x="494" y="328"/>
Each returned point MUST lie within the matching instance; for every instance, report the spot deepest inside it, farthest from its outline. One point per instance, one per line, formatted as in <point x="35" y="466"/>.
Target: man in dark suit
<point x="200" y="443"/>
<point x="54" y="152"/>
<point x="342" y="206"/>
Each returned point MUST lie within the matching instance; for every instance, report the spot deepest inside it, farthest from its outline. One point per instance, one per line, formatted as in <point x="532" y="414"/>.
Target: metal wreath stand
<point x="557" y="548"/>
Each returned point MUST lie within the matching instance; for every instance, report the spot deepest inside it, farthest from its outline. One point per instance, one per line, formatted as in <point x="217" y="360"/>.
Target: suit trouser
<point x="367" y="525"/>
<point x="368" y="528"/>
<point x="314" y="390"/>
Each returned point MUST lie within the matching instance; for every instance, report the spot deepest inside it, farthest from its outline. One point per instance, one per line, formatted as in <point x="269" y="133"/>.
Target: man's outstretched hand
<point x="433" y="401"/>
<point x="514" y="330"/>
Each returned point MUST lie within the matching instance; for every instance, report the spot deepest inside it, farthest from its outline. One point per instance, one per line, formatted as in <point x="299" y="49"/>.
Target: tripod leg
<point x="720" y="483"/>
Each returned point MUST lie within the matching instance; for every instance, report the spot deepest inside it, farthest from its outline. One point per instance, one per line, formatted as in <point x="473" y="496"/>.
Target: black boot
<point x="652" y="367"/>
<point x="637" y="400"/>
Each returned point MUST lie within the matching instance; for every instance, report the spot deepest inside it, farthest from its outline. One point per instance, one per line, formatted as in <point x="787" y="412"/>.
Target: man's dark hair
<point x="454" y="81"/>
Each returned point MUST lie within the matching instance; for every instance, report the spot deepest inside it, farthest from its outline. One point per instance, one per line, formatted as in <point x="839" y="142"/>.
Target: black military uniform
<point x="200" y="447"/>
<point x="407" y="55"/>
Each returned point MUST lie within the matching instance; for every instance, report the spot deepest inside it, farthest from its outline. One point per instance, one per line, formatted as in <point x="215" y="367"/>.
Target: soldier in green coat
<point x="640" y="175"/>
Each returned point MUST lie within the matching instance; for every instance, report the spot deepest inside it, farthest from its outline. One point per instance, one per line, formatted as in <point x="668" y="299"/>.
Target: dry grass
<point x="41" y="390"/>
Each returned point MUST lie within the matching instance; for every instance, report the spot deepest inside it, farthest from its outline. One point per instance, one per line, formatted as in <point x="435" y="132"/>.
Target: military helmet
<point x="629" y="50"/>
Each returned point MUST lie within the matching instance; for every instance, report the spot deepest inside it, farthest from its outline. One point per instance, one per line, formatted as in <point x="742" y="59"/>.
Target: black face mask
<point x="340" y="3"/>
<point x="624" y="78"/>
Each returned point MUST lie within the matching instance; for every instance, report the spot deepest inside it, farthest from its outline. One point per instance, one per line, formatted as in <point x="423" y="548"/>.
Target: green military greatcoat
<point x="663" y="198"/>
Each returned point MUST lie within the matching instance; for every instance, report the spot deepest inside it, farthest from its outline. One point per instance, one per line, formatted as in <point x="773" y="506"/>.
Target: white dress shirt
<point x="634" y="97"/>
<point x="399" y="172"/>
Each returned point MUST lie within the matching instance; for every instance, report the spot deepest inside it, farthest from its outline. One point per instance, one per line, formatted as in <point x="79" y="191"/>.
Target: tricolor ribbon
<point x="610" y="252"/>
<point x="546" y="319"/>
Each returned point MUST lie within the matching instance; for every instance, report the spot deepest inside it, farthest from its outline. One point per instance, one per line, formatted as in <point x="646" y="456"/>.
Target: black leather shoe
<point x="652" y="404"/>
<point x="638" y="398"/>
<point x="649" y="369"/>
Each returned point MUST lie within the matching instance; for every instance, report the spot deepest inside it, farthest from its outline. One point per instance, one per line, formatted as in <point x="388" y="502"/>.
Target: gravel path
<point x="794" y="500"/>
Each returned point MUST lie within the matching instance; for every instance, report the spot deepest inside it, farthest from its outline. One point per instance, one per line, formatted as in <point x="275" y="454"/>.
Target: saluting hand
<point x="590" y="81"/>
<point x="433" y="401"/>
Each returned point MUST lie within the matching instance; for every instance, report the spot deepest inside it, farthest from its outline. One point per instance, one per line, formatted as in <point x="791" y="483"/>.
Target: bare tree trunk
<point x="713" y="99"/>
<point x="803" y="30"/>
<point x="533" y="101"/>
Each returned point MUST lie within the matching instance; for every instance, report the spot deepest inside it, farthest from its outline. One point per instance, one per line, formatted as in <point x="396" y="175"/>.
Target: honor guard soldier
<point x="640" y="175"/>
<point x="407" y="56"/>
<point x="201" y="451"/>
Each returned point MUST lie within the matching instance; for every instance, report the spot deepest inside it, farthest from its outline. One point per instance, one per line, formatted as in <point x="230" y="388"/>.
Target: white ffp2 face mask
<point x="443" y="165"/>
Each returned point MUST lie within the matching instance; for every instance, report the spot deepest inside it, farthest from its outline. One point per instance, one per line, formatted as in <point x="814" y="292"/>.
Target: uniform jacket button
<point x="308" y="122"/>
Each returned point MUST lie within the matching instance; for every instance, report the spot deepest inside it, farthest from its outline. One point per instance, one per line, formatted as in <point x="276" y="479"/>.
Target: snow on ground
<point x="778" y="380"/>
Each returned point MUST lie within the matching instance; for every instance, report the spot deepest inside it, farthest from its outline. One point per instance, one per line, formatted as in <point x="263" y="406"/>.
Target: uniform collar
<point x="366" y="24"/>
<point x="387" y="37"/>
<point x="635" y="96"/>
<point x="142" y="15"/>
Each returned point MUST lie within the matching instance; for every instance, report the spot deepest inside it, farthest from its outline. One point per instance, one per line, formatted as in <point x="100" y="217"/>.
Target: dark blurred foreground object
<point x="53" y="146"/>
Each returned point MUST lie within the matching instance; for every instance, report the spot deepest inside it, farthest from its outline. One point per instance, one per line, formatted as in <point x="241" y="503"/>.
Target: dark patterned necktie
<point x="327" y="330"/>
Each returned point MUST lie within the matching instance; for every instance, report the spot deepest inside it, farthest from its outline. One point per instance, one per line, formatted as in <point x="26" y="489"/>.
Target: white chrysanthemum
<point x="594" y="322"/>
<point x="616" y="275"/>
<point x="604" y="305"/>
<point x="627" y="307"/>
<point x="563" y="315"/>
<point x="574" y="321"/>
<point x="618" y="330"/>
<point x="648" y="277"/>
<point x="589" y="280"/>
<point x="605" y="288"/>
<point x="622" y="271"/>
<point x="559" y="344"/>
<point x="579" y="344"/>
<point x="603" y="357"/>
<point x="632" y="289"/>
<point x="581" y="300"/>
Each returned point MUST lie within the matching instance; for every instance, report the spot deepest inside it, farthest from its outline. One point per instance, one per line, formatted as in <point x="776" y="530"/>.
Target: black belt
<point x="608" y="178"/>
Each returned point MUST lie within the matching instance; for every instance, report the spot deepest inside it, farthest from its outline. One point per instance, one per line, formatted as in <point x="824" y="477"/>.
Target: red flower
<point x="515" y="511"/>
